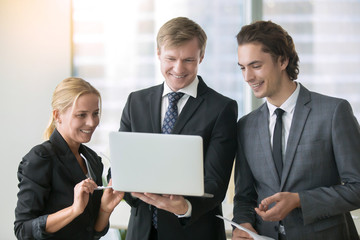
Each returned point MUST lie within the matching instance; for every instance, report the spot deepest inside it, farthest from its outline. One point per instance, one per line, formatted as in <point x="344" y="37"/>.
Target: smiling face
<point x="266" y="77"/>
<point x="179" y="64"/>
<point x="78" y="122"/>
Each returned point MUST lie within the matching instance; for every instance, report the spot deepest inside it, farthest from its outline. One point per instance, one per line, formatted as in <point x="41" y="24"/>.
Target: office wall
<point x="35" y="54"/>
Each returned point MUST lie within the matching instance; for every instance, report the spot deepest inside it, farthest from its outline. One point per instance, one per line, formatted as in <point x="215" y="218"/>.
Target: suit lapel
<point x="263" y="131"/>
<point x="67" y="158"/>
<point x="301" y="114"/>
<point x="190" y="107"/>
<point x="155" y="108"/>
<point x="92" y="164"/>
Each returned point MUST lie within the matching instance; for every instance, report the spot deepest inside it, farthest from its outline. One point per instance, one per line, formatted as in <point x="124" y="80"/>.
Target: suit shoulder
<point x="43" y="150"/>
<point x="39" y="157"/>
<point x="218" y="96"/>
<point x="326" y="102"/>
<point x="146" y="91"/>
<point x="325" y="98"/>
<point x="250" y="117"/>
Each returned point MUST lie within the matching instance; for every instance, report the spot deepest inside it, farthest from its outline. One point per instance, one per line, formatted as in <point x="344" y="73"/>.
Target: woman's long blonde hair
<point x="65" y="95"/>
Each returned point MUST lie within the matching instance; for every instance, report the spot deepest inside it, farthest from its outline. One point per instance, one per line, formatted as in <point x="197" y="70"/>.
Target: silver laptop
<point x="157" y="163"/>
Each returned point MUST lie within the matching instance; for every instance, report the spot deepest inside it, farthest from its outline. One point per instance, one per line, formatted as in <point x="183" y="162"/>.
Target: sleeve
<point x="245" y="198"/>
<point x="125" y="126"/>
<point x="98" y="235"/>
<point x="345" y="196"/>
<point x="218" y="162"/>
<point x="125" y="122"/>
<point x="34" y="175"/>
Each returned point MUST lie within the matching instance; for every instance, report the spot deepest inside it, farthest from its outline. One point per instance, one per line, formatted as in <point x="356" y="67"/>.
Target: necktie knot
<point x="174" y="97"/>
<point x="279" y="112"/>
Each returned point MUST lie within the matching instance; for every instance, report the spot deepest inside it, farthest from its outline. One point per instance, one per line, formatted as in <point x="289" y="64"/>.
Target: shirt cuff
<point x="188" y="213"/>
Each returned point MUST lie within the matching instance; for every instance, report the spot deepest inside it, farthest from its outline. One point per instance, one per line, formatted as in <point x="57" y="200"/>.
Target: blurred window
<point x="327" y="39"/>
<point x="114" y="48"/>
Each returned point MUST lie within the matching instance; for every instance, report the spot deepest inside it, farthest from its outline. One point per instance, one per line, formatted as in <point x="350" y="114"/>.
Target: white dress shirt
<point x="288" y="106"/>
<point x="190" y="90"/>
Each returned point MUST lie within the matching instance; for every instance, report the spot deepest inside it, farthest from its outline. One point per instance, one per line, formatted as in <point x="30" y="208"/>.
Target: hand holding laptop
<point x="172" y="203"/>
<point x="157" y="163"/>
<point x="110" y="199"/>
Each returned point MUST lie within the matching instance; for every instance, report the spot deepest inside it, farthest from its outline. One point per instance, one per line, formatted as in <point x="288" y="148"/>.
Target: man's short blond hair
<point x="180" y="30"/>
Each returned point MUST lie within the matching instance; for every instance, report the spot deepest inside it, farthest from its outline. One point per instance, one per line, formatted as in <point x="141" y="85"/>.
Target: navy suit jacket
<point x="209" y="115"/>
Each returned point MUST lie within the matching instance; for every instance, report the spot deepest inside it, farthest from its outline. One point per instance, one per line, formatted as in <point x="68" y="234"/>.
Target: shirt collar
<point x="289" y="105"/>
<point x="190" y="90"/>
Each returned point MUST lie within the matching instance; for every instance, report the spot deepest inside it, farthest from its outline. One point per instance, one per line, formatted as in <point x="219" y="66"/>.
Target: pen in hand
<point x="87" y="166"/>
<point x="102" y="187"/>
<point x="89" y="175"/>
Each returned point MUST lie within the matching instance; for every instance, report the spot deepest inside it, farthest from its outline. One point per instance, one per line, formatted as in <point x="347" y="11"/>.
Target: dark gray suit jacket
<point x="211" y="116"/>
<point x="322" y="164"/>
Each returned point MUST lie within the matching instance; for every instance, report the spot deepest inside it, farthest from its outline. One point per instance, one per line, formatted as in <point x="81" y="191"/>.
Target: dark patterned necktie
<point x="277" y="142"/>
<point x="172" y="112"/>
<point x="168" y="125"/>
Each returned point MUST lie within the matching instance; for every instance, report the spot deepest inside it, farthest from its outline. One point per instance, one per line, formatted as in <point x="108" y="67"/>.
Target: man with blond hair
<point x="199" y="111"/>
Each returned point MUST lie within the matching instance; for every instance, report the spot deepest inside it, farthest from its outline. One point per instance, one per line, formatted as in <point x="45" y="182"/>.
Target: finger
<point x="266" y="201"/>
<point x="240" y="238"/>
<point x="119" y="194"/>
<point x="272" y="199"/>
<point x="137" y="194"/>
<point x="263" y="207"/>
<point x="86" y="189"/>
<point x="154" y="197"/>
<point x="176" y="197"/>
<point x="262" y="214"/>
<point x="90" y="183"/>
<point x="145" y="198"/>
<point x="241" y="235"/>
<point x="116" y="198"/>
<point x="259" y="212"/>
<point x="110" y="182"/>
<point x="244" y="235"/>
<point x="269" y="215"/>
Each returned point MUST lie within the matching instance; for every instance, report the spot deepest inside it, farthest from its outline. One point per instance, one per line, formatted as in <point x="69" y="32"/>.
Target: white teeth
<point x="178" y="76"/>
<point x="255" y="85"/>
<point x="85" y="131"/>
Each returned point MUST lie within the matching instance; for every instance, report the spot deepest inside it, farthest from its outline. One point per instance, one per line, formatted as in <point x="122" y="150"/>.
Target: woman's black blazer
<point x="47" y="177"/>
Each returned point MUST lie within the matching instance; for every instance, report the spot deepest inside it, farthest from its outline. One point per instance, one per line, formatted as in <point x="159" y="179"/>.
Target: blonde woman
<point x="57" y="196"/>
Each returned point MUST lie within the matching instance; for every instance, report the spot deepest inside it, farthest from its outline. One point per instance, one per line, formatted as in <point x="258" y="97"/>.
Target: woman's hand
<point x="110" y="199"/>
<point x="58" y="220"/>
<point x="81" y="195"/>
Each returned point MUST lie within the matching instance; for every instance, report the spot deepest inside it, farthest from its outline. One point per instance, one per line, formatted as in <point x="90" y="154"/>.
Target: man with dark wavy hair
<point x="297" y="171"/>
